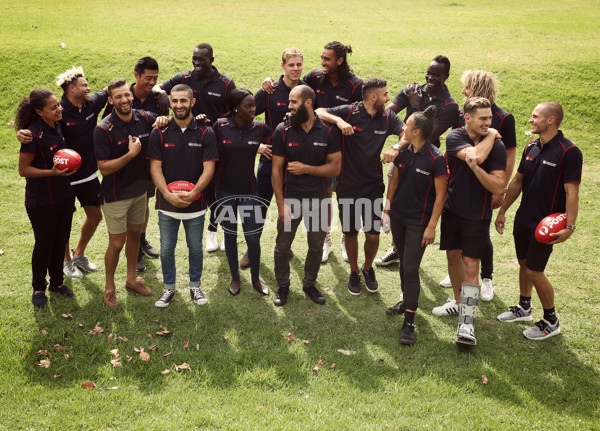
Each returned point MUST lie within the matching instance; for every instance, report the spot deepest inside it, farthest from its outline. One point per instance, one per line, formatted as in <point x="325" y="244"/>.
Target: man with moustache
<point x="183" y="151"/>
<point x="120" y="142"/>
<point x="305" y="153"/>
<point x="365" y="127"/>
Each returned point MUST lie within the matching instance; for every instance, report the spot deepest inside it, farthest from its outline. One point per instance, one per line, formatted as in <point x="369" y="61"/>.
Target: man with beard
<point x="476" y="164"/>
<point x="305" y="153"/>
<point x="183" y="151"/>
<point x="417" y="97"/>
<point x="211" y="91"/>
<point x="365" y="127"/>
<point x="146" y="76"/>
<point x="120" y="142"/>
<point x="548" y="175"/>
<point x="79" y="118"/>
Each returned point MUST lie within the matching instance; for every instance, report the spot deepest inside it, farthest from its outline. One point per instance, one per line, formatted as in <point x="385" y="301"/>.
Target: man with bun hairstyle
<point x="476" y="165"/>
<point x="548" y="178"/>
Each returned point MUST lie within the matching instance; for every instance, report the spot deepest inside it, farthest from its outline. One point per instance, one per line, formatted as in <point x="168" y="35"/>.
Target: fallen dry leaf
<point x="186" y="343"/>
<point x="44" y="363"/>
<point x="347" y="352"/>
<point x="153" y="348"/>
<point x="115" y="352"/>
<point x="116" y="362"/>
<point x="306" y="341"/>
<point x="184" y="366"/>
<point x="290" y="337"/>
<point x="110" y="336"/>
<point x="65" y="339"/>
<point x="97" y="330"/>
<point x="167" y="371"/>
<point x="144" y="356"/>
<point x="275" y="361"/>
<point x="225" y="337"/>
<point x="67" y="315"/>
<point x="409" y="357"/>
<point x="124" y="339"/>
<point x="164" y="328"/>
<point x="319" y="366"/>
<point x="59" y="347"/>
<point x="2" y="251"/>
<point x="57" y="376"/>
<point x="260" y="372"/>
<point x="129" y="358"/>
<point x="136" y="350"/>
<point x="197" y="346"/>
<point x="43" y="353"/>
<point x="148" y="334"/>
<point x="162" y="333"/>
<point x="166" y="355"/>
<point x="44" y="332"/>
<point x="12" y="123"/>
<point x="66" y="356"/>
<point x="332" y="366"/>
<point x="88" y="385"/>
<point x="81" y="325"/>
<point x="114" y="388"/>
<point x="484" y="379"/>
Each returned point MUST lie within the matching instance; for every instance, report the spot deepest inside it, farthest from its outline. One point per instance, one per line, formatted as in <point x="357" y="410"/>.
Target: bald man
<point x="548" y="176"/>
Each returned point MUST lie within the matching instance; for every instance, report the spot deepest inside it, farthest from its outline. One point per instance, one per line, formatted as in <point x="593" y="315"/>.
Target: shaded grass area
<point x="245" y="372"/>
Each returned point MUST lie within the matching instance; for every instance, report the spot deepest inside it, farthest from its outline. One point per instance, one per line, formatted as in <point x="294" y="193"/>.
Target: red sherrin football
<point x="552" y="224"/>
<point x="67" y="159"/>
<point x="182" y="186"/>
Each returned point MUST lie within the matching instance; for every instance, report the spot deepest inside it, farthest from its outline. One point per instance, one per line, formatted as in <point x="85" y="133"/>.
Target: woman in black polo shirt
<point x="239" y="138"/>
<point x="48" y="197"/>
<point x="417" y="192"/>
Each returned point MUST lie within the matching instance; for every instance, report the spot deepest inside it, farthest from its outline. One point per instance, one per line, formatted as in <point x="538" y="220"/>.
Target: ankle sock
<point x="550" y="315"/>
<point x="525" y="302"/>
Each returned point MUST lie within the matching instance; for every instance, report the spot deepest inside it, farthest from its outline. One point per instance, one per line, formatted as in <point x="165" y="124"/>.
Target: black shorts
<point x="151" y="190"/>
<point x="536" y="254"/>
<point x="367" y="207"/>
<point x="88" y="193"/>
<point x="458" y="233"/>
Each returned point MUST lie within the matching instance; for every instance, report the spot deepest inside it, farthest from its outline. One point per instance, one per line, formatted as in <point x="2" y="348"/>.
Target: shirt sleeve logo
<point x="320" y="144"/>
<point x="421" y="171"/>
<point x="341" y="98"/>
<point x="169" y="145"/>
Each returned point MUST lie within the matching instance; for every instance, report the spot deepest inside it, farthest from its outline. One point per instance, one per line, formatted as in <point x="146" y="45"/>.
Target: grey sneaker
<point x="165" y="299"/>
<point x="197" y="296"/>
<point x="542" y="330"/>
<point x="148" y="249"/>
<point x="140" y="265"/>
<point x="516" y="314"/>
<point x="71" y="270"/>
<point x="83" y="263"/>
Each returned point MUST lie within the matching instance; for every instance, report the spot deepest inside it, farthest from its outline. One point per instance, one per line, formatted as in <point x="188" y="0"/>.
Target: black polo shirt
<point x="78" y="129"/>
<point x="40" y="192"/>
<point x="237" y="154"/>
<point x="414" y="198"/>
<point x="345" y="92"/>
<point x="111" y="141"/>
<point x="545" y="171"/>
<point x="503" y="122"/>
<point x="310" y="148"/>
<point x="447" y="113"/>
<point x="467" y="198"/>
<point x="211" y="96"/>
<point x="150" y="104"/>
<point x="361" y="152"/>
<point x="182" y="155"/>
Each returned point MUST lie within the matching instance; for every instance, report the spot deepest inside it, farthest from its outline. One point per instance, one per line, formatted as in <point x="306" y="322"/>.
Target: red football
<point x="552" y="224"/>
<point x="67" y="159"/>
<point x="182" y="186"/>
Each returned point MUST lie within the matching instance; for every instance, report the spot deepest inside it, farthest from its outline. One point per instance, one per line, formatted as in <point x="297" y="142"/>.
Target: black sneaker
<point x="391" y="256"/>
<point x="39" y="299"/>
<point x="148" y="250"/>
<point x="281" y="296"/>
<point x="314" y="295"/>
<point x="62" y="289"/>
<point x="354" y="283"/>
<point x="408" y="337"/>
<point x="197" y="296"/>
<point x="140" y="265"/>
<point x="396" y="309"/>
<point x="165" y="299"/>
<point x="370" y="280"/>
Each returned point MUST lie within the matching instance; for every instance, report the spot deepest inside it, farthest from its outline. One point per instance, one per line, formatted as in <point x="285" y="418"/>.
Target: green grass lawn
<point x="245" y="371"/>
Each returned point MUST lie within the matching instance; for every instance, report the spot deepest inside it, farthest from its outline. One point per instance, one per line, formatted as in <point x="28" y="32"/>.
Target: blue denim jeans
<point x="169" y="228"/>
<point x="229" y="205"/>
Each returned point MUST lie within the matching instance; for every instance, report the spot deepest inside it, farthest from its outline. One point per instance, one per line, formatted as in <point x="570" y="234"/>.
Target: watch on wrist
<point x="396" y="147"/>
<point x="571" y="226"/>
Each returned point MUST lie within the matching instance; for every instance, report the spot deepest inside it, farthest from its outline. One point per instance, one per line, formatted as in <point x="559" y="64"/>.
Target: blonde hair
<point x="289" y="53"/>
<point x="474" y="103"/>
<point x="481" y="83"/>
<point x="69" y="77"/>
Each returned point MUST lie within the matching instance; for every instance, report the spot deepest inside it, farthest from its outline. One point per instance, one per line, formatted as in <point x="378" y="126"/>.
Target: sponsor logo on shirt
<point x="281" y="104"/>
<point x="210" y="93"/>
<point x="225" y="141"/>
<point x="400" y="165"/>
<point x="168" y="145"/>
<point x="319" y="91"/>
<point x="341" y="98"/>
<point x="293" y="144"/>
<point x="529" y="158"/>
<point x="379" y="132"/>
<point x="53" y="147"/>
<point x="194" y="144"/>
<point x="545" y="162"/>
<point x="122" y="141"/>
<point x="320" y="144"/>
<point x="145" y="135"/>
<point x="71" y="123"/>
<point x="89" y="117"/>
<point x="421" y="171"/>
<point x="253" y="142"/>
<point x="357" y="128"/>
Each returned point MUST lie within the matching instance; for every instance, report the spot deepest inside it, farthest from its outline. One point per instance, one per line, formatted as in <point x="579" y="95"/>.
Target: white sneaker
<point x="450" y="308"/>
<point x="83" y="263"/>
<point x="211" y="241"/>
<point x="326" y="247"/>
<point x="71" y="270"/>
<point x="343" y="244"/>
<point x="222" y="247"/>
<point x="446" y="282"/>
<point x="487" y="290"/>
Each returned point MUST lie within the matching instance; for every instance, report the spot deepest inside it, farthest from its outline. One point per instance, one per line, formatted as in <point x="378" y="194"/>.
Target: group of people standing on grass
<point x="323" y="132"/>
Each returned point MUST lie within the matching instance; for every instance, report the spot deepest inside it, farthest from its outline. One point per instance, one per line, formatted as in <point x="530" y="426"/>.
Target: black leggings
<point x="51" y="229"/>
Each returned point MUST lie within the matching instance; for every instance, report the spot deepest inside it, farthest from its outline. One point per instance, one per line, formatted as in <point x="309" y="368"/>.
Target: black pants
<point x="487" y="260"/>
<point x="51" y="229"/>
